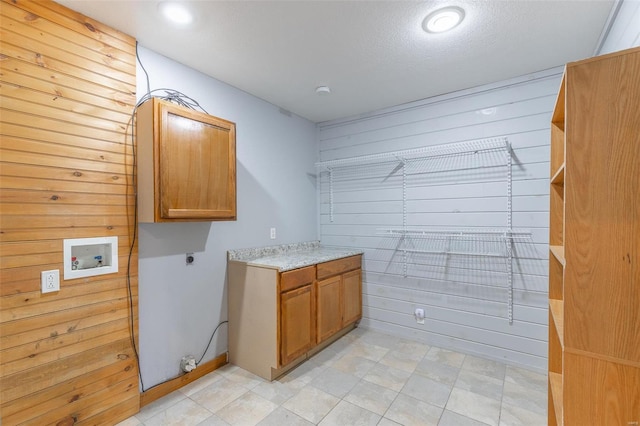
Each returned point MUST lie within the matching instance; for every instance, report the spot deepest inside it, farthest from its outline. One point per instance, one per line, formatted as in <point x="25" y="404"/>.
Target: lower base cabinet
<point x="297" y="323"/>
<point x="278" y="319"/>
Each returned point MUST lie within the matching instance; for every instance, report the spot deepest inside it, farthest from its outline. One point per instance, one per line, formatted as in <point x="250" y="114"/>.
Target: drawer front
<point x="297" y="278"/>
<point x="339" y="266"/>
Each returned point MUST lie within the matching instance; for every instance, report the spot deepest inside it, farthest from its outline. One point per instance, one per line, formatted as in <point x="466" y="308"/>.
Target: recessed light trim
<point x="443" y="19"/>
<point x="323" y="90"/>
<point x="176" y="12"/>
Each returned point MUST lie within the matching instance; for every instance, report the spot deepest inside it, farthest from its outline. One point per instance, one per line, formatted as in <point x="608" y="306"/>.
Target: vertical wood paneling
<point x="464" y="297"/>
<point x="67" y="90"/>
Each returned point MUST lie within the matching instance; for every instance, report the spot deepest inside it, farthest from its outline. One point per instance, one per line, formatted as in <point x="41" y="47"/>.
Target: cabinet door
<point x="351" y="296"/>
<point x="297" y="323"/>
<point x="329" y="298"/>
<point x="196" y="165"/>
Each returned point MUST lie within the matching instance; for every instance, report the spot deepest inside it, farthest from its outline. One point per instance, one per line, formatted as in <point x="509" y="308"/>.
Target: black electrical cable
<point x="143" y="69"/>
<point x="210" y="340"/>
<point x="179" y="98"/>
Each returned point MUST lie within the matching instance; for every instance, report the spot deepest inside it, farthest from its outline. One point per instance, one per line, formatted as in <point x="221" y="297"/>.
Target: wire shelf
<point x="458" y="148"/>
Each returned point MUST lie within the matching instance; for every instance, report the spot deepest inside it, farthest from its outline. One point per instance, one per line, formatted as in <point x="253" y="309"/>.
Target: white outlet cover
<point x="50" y="281"/>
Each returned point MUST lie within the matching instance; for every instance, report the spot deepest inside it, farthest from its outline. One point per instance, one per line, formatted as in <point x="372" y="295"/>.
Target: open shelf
<point x="558" y="177"/>
<point x="557" y="131"/>
<point x="558" y="253"/>
<point x="557" y="313"/>
<point x="555" y="383"/>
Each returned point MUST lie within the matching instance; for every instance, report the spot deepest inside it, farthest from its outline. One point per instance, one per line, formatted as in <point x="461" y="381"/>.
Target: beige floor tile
<point x="449" y="418"/>
<point x="521" y="396"/>
<point x="244" y="377"/>
<point x="348" y="414"/>
<point x="518" y="416"/>
<point x="480" y="384"/>
<point x="283" y="417"/>
<point x="311" y="404"/>
<point x="214" y="421"/>
<point x="275" y="391"/>
<point x="371" y="397"/>
<point x="379" y="339"/>
<point x="474" y="406"/>
<point x="354" y="365"/>
<point x="247" y="410"/>
<point x="387" y="377"/>
<point x="367" y="350"/>
<point x="405" y="382"/>
<point x="326" y="357"/>
<point x="417" y="349"/>
<point x="485" y="367"/>
<point x="302" y="375"/>
<point x="438" y="371"/>
<point x="335" y="382"/>
<point x="427" y="390"/>
<point x="184" y="413"/>
<point x="218" y="394"/>
<point x="201" y="383"/>
<point x="386" y="422"/>
<point x="526" y="378"/>
<point x="444" y="356"/>
<point x="159" y="405"/>
<point x="131" y="421"/>
<point x="406" y="361"/>
<point x="408" y="411"/>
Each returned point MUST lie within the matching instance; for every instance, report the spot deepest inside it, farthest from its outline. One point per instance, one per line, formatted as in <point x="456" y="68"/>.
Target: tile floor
<point x="365" y="378"/>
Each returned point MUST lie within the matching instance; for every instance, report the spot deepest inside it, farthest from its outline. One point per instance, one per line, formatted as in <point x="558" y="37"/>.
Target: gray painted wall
<point x="465" y="297"/>
<point x="179" y="305"/>
<point x="625" y="31"/>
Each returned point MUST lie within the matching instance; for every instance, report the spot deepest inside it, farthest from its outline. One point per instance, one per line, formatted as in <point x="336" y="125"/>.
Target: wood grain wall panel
<point x="67" y="91"/>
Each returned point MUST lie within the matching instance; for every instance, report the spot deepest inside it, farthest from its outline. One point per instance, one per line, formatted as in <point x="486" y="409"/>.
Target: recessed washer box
<point x="86" y="257"/>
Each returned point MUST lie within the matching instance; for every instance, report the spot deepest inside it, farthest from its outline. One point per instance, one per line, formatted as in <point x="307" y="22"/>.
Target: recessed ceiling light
<point x="176" y="12"/>
<point x="443" y="19"/>
<point x="323" y="90"/>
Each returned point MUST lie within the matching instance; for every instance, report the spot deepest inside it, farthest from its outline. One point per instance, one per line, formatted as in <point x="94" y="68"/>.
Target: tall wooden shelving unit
<point x="594" y="238"/>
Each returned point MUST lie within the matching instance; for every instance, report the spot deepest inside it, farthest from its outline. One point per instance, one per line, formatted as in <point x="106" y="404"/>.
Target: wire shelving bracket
<point x="505" y="236"/>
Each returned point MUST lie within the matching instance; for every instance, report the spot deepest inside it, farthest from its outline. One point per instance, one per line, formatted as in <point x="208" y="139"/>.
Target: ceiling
<point x="372" y="54"/>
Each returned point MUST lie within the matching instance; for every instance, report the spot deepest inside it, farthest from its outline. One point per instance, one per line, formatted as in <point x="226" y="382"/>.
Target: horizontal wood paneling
<point x="67" y="87"/>
<point x="465" y="297"/>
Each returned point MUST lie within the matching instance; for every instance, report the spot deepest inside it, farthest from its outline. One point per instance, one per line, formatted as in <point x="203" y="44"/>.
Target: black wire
<point x="179" y="98"/>
<point x="210" y="340"/>
<point x="143" y="69"/>
<point x="134" y="184"/>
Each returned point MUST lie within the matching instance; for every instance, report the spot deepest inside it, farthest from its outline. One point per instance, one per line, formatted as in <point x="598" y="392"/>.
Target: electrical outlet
<point x="419" y="314"/>
<point x="50" y="281"/>
<point x="190" y="259"/>
<point x="273" y="233"/>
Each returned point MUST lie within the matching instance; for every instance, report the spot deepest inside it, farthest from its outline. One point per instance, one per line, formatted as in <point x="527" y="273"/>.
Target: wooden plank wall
<point x="67" y="87"/>
<point x="464" y="297"/>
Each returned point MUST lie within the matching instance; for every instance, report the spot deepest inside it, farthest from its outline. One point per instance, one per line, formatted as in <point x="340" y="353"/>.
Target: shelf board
<point x="555" y="380"/>
<point x="558" y="177"/>
<point x="558" y="253"/>
<point x="557" y="312"/>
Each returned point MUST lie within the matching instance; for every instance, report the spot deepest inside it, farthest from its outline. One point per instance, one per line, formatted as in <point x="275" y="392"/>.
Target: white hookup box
<point x="86" y="257"/>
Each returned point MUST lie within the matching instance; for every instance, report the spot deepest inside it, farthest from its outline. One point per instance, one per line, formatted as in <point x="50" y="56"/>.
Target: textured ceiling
<point x="373" y="54"/>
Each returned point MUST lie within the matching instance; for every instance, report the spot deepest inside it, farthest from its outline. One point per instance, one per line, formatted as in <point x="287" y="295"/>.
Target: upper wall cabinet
<point x="186" y="164"/>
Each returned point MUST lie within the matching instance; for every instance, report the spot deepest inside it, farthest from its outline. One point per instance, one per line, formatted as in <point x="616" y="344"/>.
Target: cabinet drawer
<point x="339" y="266"/>
<point x="296" y="278"/>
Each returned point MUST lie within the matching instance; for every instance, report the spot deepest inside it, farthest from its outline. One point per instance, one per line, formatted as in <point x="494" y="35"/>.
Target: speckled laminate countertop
<point x="290" y="256"/>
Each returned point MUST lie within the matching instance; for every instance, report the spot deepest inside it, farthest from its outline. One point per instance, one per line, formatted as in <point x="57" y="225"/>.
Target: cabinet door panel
<point x="352" y="296"/>
<point x="194" y="167"/>
<point x="297" y="323"/>
<point x="329" y="298"/>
